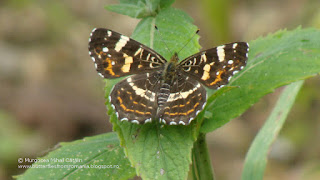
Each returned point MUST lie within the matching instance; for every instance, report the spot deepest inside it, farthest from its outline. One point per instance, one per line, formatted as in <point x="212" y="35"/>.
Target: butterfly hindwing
<point x="116" y="55"/>
<point x="186" y="99"/>
<point x="214" y="67"/>
<point x="170" y="92"/>
<point x="134" y="98"/>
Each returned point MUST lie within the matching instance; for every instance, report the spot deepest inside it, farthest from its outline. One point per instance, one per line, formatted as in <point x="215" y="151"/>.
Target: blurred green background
<point x="50" y="91"/>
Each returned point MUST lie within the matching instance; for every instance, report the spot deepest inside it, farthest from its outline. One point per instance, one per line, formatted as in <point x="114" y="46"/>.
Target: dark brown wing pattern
<point x="134" y="98"/>
<point x="170" y="92"/>
<point x="214" y="67"/>
<point x="116" y="55"/>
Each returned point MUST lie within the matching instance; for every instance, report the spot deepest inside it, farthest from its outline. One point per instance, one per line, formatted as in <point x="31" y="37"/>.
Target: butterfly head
<point x="170" y="69"/>
<point x="174" y="59"/>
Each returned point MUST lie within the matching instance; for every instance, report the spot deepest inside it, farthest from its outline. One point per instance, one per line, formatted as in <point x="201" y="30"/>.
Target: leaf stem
<point x="201" y="163"/>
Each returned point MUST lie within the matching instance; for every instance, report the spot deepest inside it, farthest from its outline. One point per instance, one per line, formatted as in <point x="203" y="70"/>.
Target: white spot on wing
<point x="129" y="79"/>
<point x="101" y="75"/>
<point x="135" y="121"/>
<point x="147" y="120"/>
<point x="125" y="68"/>
<point x="142" y="92"/>
<point x="234" y="46"/>
<point x="109" y="33"/>
<point x="128" y="60"/>
<point x="121" y="43"/>
<point x="105" y="49"/>
<point x="191" y="119"/>
<point x="204" y="57"/>
<point x="181" y="122"/>
<point x="230" y="62"/>
<point x="179" y="95"/>
<point x="137" y="52"/>
<point x="198" y="112"/>
<point x="173" y="123"/>
<point x="221" y="53"/>
<point x="93" y="30"/>
<point x="206" y="70"/>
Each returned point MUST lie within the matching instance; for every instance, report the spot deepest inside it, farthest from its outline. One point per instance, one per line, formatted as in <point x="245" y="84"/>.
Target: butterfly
<point x="156" y="89"/>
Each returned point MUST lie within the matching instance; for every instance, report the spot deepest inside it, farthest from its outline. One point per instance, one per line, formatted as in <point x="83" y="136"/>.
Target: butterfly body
<point x="170" y="91"/>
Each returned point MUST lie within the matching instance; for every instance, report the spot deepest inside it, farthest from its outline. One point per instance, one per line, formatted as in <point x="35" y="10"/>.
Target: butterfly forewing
<point x="214" y="67"/>
<point x="116" y="55"/>
<point x="160" y="90"/>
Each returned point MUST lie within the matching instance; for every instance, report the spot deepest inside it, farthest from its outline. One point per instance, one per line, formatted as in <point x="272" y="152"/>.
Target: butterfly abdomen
<point x="163" y="94"/>
<point x="170" y="92"/>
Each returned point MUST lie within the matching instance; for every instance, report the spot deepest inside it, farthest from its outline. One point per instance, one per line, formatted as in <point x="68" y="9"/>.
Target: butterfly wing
<point x="116" y="55"/>
<point x="186" y="99"/>
<point x="134" y="98"/>
<point x="214" y="67"/>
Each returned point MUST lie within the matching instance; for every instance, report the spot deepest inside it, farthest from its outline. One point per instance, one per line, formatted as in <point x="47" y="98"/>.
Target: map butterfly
<point x="170" y="91"/>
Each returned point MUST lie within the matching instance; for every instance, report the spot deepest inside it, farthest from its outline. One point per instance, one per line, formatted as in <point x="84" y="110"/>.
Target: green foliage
<point x="164" y="152"/>
<point x="161" y="152"/>
<point x="256" y="159"/>
<point x="96" y="154"/>
<point x="139" y="8"/>
<point x="276" y="60"/>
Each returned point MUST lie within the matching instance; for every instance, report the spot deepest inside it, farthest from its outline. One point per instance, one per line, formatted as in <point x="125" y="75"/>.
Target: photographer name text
<point x="61" y="160"/>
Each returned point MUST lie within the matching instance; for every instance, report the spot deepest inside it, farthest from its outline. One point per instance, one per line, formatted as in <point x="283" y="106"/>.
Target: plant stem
<point x="201" y="163"/>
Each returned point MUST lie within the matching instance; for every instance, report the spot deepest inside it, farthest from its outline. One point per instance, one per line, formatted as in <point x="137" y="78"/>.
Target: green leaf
<point x="175" y="31"/>
<point x="157" y="151"/>
<point x="257" y="155"/>
<point x="98" y="157"/>
<point x="276" y="60"/>
<point x="139" y="8"/>
<point x="202" y="166"/>
<point x="166" y="3"/>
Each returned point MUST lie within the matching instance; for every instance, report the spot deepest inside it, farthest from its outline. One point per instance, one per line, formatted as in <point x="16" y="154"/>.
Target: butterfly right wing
<point x="214" y="67"/>
<point x="116" y="55"/>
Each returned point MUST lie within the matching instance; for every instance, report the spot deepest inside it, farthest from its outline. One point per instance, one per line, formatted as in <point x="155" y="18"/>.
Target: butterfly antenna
<point x="163" y="40"/>
<point x="189" y="40"/>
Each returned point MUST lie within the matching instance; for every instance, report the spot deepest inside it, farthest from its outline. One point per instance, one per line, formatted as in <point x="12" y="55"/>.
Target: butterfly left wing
<point x="134" y="98"/>
<point x="116" y="55"/>
<point x="186" y="99"/>
<point x="214" y="67"/>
